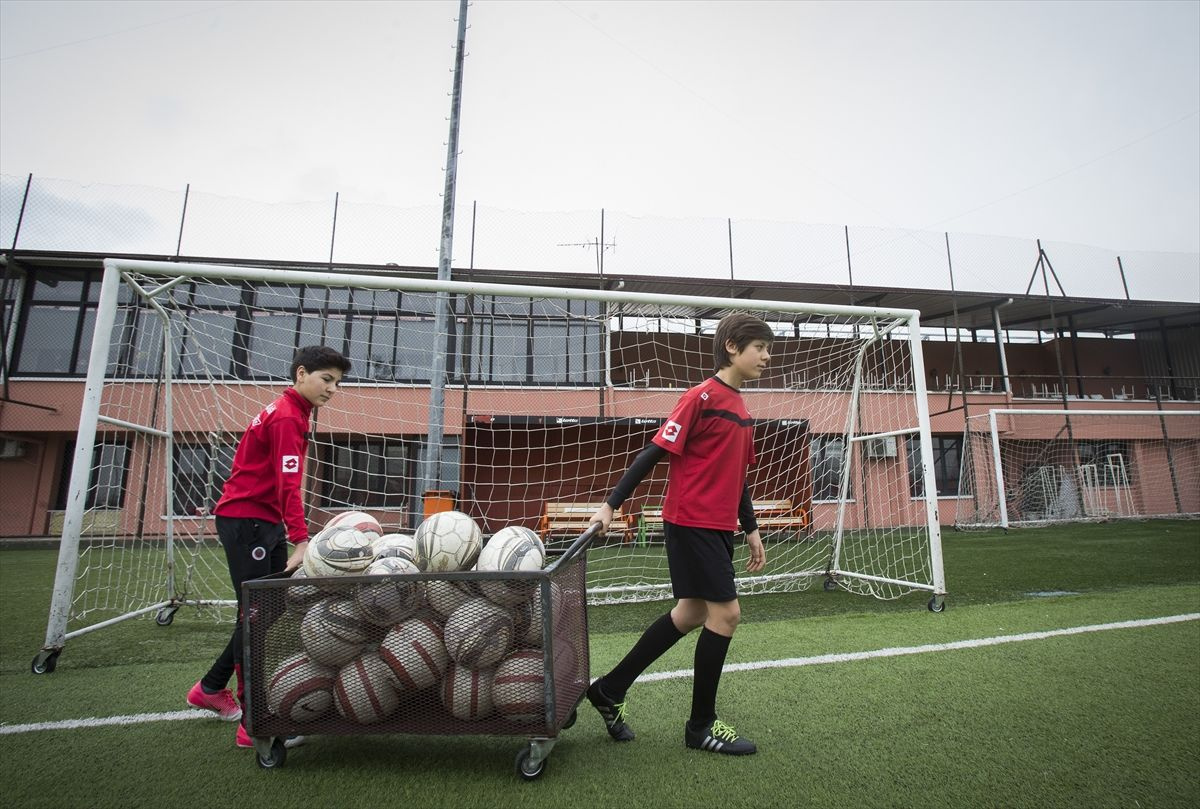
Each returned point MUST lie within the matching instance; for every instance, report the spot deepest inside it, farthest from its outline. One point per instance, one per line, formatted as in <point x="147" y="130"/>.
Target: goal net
<point x="1033" y="467"/>
<point x="516" y="405"/>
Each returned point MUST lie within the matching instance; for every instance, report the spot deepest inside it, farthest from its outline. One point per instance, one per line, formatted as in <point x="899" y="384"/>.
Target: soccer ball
<point x="402" y="545"/>
<point x="447" y="541"/>
<point x="357" y="519"/>
<point x="479" y="634"/>
<point x="337" y="551"/>
<point x="509" y="550"/>
<point x="394" y="600"/>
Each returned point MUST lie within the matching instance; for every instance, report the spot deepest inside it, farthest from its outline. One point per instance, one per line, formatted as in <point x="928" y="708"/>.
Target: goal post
<point x="1036" y="467"/>
<point x="545" y="395"/>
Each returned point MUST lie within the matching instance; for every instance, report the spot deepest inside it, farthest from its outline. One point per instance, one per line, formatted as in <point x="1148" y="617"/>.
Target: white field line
<point x="791" y="662"/>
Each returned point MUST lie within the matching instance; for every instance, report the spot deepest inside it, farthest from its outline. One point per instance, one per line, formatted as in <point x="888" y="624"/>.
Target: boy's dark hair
<point x="318" y="358"/>
<point x="742" y="329"/>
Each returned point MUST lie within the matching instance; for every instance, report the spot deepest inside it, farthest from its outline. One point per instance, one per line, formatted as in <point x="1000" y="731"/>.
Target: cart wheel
<point x="45" y="662"/>
<point x="937" y="604"/>
<point x="527" y="770"/>
<point x="275" y="759"/>
<point x="830" y="585"/>
<point x="165" y="616"/>
<point x="571" y="719"/>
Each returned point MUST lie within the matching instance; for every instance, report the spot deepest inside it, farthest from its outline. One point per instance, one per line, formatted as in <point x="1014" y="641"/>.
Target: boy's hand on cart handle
<point x="603" y="515"/>
<point x="297" y="558"/>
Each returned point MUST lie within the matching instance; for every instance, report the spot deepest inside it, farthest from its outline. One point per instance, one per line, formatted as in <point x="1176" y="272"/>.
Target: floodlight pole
<point x="432" y="468"/>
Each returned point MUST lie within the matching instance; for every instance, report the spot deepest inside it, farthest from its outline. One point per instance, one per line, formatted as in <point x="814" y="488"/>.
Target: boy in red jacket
<point x="261" y="508"/>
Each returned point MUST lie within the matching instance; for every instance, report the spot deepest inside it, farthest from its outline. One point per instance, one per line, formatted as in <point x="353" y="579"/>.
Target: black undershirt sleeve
<point x="746" y="511"/>
<point x="636" y="473"/>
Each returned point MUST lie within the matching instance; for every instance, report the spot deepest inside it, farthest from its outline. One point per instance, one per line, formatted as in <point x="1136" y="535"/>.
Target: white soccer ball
<point x="300" y="690"/>
<point x="403" y="545"/>
<point x="333" y="632"/>
<point x="479" y="634"/>
<point x="357" y="519"/>
<point x="467" y="693"/>
<point x="365" y="690"/>
<point x="511" y="549"/>
<point x="518" y="689"/>
<point x="394" y="600"/>
<point x="447" y="541"/>
<point x="338" y="551"/>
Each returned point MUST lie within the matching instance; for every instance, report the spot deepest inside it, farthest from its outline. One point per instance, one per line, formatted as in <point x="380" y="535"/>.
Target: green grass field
<point x="1093" y="719"/>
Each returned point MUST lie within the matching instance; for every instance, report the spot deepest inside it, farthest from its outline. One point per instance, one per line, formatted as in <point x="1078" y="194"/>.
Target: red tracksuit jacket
<point x="268" y="467"/>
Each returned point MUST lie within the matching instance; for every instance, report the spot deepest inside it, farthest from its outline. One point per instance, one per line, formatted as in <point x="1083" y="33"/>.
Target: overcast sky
<point x="1075" y="122"/>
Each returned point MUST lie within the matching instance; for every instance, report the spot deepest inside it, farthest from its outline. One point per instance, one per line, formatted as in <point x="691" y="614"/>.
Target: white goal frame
<point x="1082" y="479"/>
<point x="150" y="279"/>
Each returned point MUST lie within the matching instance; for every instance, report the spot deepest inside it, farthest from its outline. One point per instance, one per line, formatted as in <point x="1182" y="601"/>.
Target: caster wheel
<point x="526" y="769"/>
<point x="44" y="662"/>
<point x="830" y="585"/>
<point x="571" y="719"/>
<point x="274" y="759"/>
<point x="937" y="604"/>
<point x="165" y="616"/>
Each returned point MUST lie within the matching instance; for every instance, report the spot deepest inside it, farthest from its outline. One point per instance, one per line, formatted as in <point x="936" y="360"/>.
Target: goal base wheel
<point x="937" y="604"/>
<point x="166" y="615"/>
<point x="830" y="585"/>
<point x="45" y="661"/>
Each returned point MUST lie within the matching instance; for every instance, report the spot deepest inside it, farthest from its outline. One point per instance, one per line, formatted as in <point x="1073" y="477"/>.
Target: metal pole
<point x="187" y="190"/>
<point x="1001" y="499"/>
<point x="1124" y="285"/>
<point x="431" y="473"/>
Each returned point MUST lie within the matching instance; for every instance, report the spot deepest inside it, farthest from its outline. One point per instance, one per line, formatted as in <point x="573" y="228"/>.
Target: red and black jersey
<point x="710" y="438"/>
<point x="268" y="467"/>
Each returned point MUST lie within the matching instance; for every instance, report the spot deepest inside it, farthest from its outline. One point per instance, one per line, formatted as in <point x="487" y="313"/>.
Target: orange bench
<point x="574" y="518"/>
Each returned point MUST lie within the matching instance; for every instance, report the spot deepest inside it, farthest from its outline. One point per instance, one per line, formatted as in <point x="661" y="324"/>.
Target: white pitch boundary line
<point x="791" y="662"/>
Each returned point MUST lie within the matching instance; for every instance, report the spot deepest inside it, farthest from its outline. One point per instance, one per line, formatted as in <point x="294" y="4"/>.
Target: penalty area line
<point x="900" y="651"/>
<point x="792" y="662"/>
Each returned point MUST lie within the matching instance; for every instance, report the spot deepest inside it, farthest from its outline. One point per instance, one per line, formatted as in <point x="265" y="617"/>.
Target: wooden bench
<point x="772" y="516"/>
<point x="574" y="518"/>
<point x="780" y="515"/>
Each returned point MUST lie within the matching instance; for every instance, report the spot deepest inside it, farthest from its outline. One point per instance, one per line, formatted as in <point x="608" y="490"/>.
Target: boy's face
<point x="751" y="361"/>
<point x="319" y="386"/>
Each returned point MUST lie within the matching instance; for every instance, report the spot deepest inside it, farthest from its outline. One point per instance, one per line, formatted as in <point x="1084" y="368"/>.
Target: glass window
<point x="370" y="473"/>
<point x="550" y="355"/>
<point x="206" y="347"/>
<point x="1110" y="459"/>
<point x="49" y="340"/>
<point x="106" y="485"/>
<point x="272" y="344"/>
<point x="415" y="345"/>
<point x="217" y="294"/>
<point x="947" y="464"/>
<point x="59" y="285"/>
<point x="200" y="474"/>
<point x="827" y="454"/>
<point x="277" y="297"/>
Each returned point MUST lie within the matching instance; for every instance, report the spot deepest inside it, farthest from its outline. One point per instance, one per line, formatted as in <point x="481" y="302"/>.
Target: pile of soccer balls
<point x="365" y="650"/>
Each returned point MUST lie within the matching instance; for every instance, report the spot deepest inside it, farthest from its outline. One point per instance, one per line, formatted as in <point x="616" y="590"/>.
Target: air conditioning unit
<point x="880" y="447"/>
<point x="11" y="448"/>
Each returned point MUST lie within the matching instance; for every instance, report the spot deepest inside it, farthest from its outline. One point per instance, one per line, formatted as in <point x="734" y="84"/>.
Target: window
<point x="947" y="460"/>
<point x="200" y="474"/>
<point x="106" y="486"/>
<point x="1110" y="458"/>
<point x="371" y="473"/>
<point x="826" y="455"/>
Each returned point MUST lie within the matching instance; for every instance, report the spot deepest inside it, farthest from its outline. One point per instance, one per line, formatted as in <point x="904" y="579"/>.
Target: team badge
<point x="670" y="431"/>
<point x="291" y="463"/>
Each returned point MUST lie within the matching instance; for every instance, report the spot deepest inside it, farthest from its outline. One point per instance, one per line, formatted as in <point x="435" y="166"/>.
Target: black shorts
<point x="701" y="562"/>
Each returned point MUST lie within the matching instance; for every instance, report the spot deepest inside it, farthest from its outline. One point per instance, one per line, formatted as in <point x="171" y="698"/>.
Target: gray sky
<point x="1075" y="122"/>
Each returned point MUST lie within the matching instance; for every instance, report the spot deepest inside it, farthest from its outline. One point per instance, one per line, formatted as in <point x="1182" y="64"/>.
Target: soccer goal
<point x="538" y="402"/>
<point x="1034" y="467"/>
